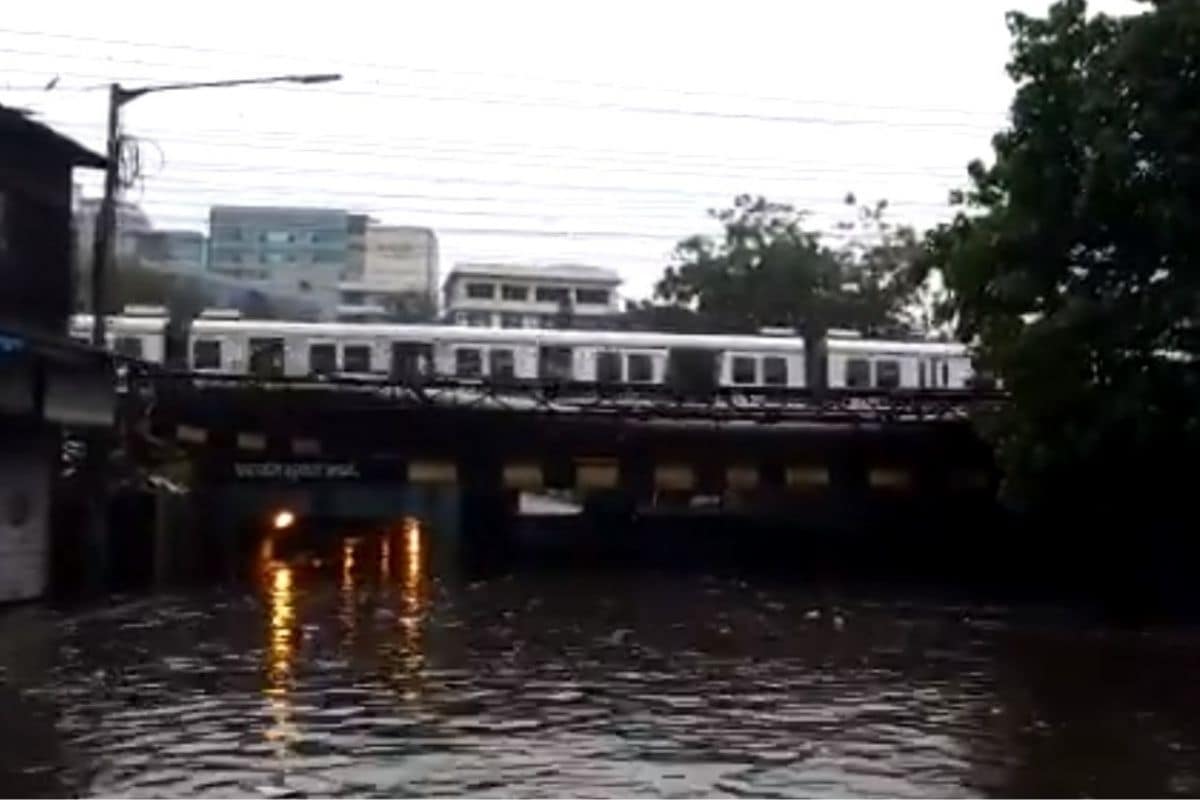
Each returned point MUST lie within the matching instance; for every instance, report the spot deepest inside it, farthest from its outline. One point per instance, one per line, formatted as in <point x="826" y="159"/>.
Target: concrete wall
<point x="26" y="461"/>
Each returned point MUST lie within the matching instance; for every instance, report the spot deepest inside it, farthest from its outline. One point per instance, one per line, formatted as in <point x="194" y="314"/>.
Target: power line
<point x="189" y="185"/>
<point x="528" y="101"/>
<point x="456" y="180"/>
<point x="474" y="73"/>
<point x="647" y="158"/>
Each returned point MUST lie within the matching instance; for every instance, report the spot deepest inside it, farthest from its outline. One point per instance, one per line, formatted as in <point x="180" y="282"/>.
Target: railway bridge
<point x="845" y="460"/>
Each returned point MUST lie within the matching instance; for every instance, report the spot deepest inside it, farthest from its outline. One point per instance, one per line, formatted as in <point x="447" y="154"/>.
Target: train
<point x="223" y="343"/>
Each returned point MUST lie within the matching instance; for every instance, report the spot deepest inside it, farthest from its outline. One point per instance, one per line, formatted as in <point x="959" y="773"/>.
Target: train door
<point x="266" y="357"/>
<point x="556" y="363"/>
<point x="411" y="361"/>
<point x="694" y="371"/>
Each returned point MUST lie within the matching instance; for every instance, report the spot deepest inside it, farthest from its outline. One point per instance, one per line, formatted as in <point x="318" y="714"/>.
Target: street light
<point x="106" y="219"/>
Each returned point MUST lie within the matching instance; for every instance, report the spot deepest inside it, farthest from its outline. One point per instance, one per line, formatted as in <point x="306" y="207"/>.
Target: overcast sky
<point x="532" y="131"/>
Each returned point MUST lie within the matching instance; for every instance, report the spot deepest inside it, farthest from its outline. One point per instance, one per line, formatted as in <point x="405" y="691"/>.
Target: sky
<point x="540" y="132"/>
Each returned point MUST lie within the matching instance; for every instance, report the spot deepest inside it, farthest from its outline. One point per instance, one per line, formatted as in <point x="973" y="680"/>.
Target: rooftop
<point x="20" y="134"/>
<point x="557" y="272"/>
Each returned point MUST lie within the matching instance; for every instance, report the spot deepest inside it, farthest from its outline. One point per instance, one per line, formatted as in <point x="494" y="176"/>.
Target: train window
<point x="266" y="357"/>
<point x="411" y="360"/>
<point x="640" y="368"/>
<point x="481" y="291"/>
<point x="556" y="363"/>
<point x="887" y="374"/>
<point x="128" y="346"/>
<point x="510" y="292"/>
<point x="745" y="369"/>
<point x="467" y="362"/>
<point x="608" y="367"/>
<point x="322" y="359"/>
<point x="775" y="371"/>
<point x="858" y="373"/>
<point x="502" y="363"/>
<point x="206" y="354"/>
<point x="356" y="358"/>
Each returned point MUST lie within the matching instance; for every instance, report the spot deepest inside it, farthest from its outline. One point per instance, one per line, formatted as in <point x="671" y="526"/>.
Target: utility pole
<point x="106" y="219"/>
<point x="94" y="471"/>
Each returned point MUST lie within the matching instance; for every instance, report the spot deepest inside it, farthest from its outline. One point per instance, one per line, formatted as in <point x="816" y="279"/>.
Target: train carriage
<point x="222" y="343"/>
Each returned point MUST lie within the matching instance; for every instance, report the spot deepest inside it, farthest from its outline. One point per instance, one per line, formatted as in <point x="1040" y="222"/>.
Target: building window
<point x="510" y="292"/>
<point x="887" y="374"/>
<point x="608" y="367"/>
<point x="467" y="362"/>
<point x="272" y="258"/>
<point x="206" y="354"/>
<point x="591" y="297"/>
<point x="858" y="373"/>
<point x="552" y="294"/>
<point x="277" y="237"/>
<point x="511" y="321"/>
<point x="502" y="363"/>
<point x="775" y="371"/>
<point x="479" y="319"/>
<point x="640" y="368"/>
<point x="460" y="318"/>
<point x="322" y="359"/>
<point x="356" y="358"/>
<point x="481" y="291"/>
<point x="745" y="370"/>
<point x="128" y="346"/>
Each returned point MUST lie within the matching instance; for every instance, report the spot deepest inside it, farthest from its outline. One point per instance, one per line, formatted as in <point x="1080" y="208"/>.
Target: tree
<point x="768" y="269"/>
<point x="1074" y="263"/>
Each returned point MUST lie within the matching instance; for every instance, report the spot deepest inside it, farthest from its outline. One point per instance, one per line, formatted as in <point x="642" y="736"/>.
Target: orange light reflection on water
<point x="281" y="650"/>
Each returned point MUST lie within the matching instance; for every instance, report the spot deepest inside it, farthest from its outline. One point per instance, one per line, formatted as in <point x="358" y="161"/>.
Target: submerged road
<point x="373" y="666"/>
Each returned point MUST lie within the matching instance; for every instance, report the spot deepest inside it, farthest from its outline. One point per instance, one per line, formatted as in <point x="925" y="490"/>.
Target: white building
<point x="392" y="269"/>
<point x="527" y="296"/>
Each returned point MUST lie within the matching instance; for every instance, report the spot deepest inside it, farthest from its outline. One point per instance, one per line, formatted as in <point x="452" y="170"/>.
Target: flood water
<point x="375" y="667"/>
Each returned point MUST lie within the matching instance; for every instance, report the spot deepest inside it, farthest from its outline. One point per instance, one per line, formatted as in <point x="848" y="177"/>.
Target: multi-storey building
<point x="131" y="223"/>
<point x="527" y="296"/>
<point x="281" y="250"/>
<point x="391" y="270"/>
<point x="173" y="251"/>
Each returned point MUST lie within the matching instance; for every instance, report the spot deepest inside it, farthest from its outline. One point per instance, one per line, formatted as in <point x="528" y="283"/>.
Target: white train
<point x="225" y="344"/>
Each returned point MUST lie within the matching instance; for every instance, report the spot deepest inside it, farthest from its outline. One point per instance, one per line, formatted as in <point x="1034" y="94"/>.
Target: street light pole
<point x="106" y="218"/>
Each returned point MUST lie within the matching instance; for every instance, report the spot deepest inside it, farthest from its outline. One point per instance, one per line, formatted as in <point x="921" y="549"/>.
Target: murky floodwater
<point x="371" y="670"/>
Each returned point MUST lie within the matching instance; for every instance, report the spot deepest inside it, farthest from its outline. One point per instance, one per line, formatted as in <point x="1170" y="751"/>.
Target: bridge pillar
<point x="487" y="510"/>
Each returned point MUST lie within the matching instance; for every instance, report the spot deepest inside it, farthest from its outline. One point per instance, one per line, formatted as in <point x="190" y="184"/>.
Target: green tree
<point x="768" y="269"/>
<point x="1074" y="264"/>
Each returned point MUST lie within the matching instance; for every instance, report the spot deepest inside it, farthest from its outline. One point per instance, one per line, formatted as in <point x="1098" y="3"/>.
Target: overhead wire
<point x="548" y="79"/>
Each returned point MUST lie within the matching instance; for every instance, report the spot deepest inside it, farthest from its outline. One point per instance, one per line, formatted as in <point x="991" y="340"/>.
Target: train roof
<point x="455" y="333"/>
<point x="122" y="323"/>
<point x="948" y="349"/>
